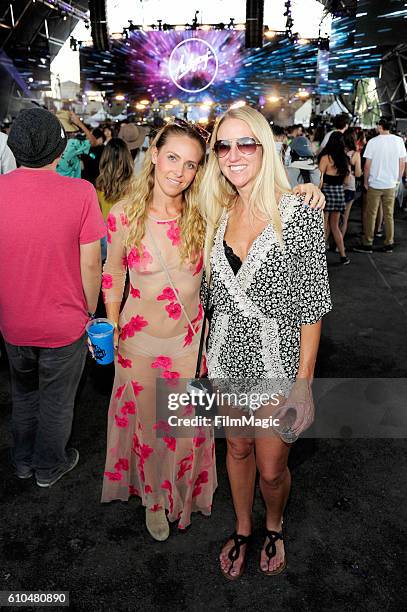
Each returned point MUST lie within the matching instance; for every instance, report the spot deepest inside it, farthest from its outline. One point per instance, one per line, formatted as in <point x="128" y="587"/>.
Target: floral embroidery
<point x="133" y="490"/>
<point x="168" y="487"/>
<point x="171" y="377"/>
<point x="134" y="325"/>
<point x="167" y="294"/>
<point x="134" y="292"/>
<point x="143" y="452"/>
<point x="119" y="391"/>
<point x="170" y="442"/>
<point x="139" y="261"/>
<point x="163" y="426"/>
<point x="155" y="508"/>
<point x="107" y="281"/>
<point x="121" y="421"/>
<point x="148" y="489"/>
<point x="162" y="362"/>
<point x="128" y="408"/>
<point x="113" y="476"/>
<point x="124" y="220"/>
<point x="122" y="464"/>
<point x="174" y="310"/>
<point x="199" y="266"/>
<point x="202" y="479"/>
<point x="174" y="233"/>
<point x="111" y="222"/>
<point x="125" y="363"/>
<point x="136" y="387"/>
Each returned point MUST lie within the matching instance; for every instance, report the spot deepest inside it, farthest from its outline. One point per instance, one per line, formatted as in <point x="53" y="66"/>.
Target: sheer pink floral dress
<point x="156" y="340"/>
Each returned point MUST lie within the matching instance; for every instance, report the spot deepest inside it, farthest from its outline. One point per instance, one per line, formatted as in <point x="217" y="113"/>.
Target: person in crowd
<point x="51" y="228"/>
<point x="114" y="180"/>
<point x="384" y="167"/>
<point x="355" y="172"/>
<point x="91" y="160"/>
<point x="280" y="139"/>
<point x="108" y="133"/>
<point x="341" y="124"/>
<point x="266" y="267"/>
<point x="156" y="233"/>
<point x="300" y="144"/>
<point x="334" y="168"/>
<point x="80" y="140"/>
<point x="133" y="135"/>
<point x="317" y="138"/>
<point x="7" y="161"/>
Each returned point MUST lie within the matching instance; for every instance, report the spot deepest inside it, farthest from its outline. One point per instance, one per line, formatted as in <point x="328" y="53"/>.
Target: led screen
<point x="381" y="23"/>
<point x="192" y="65"/>
<point x="348" y="59"/>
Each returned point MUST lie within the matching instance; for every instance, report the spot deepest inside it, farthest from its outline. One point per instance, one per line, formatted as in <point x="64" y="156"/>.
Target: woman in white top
<point x="355" y="172"/>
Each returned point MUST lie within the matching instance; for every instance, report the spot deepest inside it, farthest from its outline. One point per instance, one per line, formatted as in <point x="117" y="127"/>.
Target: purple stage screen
<point x="193" y="65"/>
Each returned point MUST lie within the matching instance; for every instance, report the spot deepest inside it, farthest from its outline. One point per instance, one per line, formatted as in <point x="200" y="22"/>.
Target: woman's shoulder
<point x="295" y="213"/>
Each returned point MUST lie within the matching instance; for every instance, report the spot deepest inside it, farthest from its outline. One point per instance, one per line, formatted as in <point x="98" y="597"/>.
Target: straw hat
<point x="65" y="119"/>
<point x="132" y="135"/>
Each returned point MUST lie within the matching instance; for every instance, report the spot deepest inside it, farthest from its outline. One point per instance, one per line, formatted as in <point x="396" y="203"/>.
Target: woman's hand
<point x="313" y="195"/>
<point x="297" y="412"/>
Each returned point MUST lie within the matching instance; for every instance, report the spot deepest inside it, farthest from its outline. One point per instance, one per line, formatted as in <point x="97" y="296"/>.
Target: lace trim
<point x="212" y="357"/>
<point x="261" y="246"/>
<point x="221" y="265"/>
<point x="271" y="349"/>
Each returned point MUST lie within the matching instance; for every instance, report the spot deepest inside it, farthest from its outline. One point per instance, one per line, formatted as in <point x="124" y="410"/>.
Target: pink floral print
<point x="125" y="363"/>
<point x="134" y="325"/>
<point x="174" y="233"/>
<point x="139" y="261"/>
<point x="107" y="281"/>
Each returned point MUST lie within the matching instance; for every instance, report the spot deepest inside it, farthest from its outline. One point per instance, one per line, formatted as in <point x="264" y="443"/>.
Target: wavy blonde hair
<point x="218" y="194"/>
<point x="192" y="225"/>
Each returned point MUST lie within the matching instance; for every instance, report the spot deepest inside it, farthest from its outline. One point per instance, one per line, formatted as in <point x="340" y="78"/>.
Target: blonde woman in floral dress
<point x="156" y="339"/>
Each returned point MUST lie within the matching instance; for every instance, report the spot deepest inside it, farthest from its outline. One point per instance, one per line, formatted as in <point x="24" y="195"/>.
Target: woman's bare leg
<point x="345" y="219"/>
<point x="275" y="483"/>
<point x="241" y="466"/>
<point x="336" y="232"/>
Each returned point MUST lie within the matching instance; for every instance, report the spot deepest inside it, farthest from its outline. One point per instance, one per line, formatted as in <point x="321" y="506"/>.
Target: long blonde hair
<point x="192" y="225"/>
<point x="218" y="194"/>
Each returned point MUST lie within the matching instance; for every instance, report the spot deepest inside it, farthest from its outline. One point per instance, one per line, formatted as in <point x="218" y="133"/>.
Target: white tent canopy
<point x="336" y="108"/>
<point x="303" y="114"/>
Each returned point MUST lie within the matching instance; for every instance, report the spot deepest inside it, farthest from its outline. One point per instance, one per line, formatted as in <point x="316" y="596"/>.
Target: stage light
<point x="203" y="120"/>
<point x="238" y="104"/>
<point x="119" y="97"/>
<point x="303" y="41"/>
<point x="140" y="107"/>
<point x="302" y="94"/>
<point x="269" y="34"/>
<point x="144" y="102"/>
<point x="167" y="119"/>
<point x="273" y="99"/>
<point x="174" y="102"/>
<point x="167" y="105"/>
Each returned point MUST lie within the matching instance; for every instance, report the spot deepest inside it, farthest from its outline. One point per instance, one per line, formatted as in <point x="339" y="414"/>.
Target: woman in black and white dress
<point x="265" y="254"/>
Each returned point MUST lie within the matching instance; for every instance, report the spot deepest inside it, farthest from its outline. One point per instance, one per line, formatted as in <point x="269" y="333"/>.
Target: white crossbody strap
<point x="164" y="267"/>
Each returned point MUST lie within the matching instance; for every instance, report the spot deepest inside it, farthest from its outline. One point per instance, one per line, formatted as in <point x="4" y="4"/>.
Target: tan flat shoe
<point x="157" y="525"/>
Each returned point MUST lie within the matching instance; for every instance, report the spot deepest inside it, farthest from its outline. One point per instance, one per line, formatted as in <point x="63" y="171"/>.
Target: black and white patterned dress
<point x="257" y="314"/>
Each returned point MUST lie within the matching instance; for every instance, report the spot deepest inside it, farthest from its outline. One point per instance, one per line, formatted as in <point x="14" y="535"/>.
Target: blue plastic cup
<point x="100" y="333"/>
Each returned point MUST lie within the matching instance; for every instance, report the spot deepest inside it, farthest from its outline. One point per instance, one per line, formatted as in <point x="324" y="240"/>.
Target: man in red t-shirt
<point x="50" y="274"/>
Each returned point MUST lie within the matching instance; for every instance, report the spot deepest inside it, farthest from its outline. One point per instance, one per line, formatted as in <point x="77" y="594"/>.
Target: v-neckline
<point x="249" y="252"/>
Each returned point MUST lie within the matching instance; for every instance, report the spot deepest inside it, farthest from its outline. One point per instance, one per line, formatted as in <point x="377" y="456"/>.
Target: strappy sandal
<point x="271" y="551"/>
<point x="234" y="554"/>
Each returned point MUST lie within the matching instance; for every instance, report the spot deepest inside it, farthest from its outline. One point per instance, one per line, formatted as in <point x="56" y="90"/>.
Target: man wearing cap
<point x="50" y="273"/>
<point x="70" y="162"/>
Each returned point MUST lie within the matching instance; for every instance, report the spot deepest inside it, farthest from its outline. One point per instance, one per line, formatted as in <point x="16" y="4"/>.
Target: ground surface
<point x="345" y="521"/>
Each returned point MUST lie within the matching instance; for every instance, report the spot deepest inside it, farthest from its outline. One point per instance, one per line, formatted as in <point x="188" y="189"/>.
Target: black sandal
<point x="234" y="554"/>
<point x="273" y="536"/>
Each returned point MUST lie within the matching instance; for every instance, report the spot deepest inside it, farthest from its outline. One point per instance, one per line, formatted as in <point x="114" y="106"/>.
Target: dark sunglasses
<point x="204" y="134"/>
<point x="246" y="145"/>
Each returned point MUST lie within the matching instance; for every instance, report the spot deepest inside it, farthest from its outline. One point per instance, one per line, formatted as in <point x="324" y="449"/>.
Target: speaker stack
<point x="98" y="23"/>
<point x="254" y="23"/>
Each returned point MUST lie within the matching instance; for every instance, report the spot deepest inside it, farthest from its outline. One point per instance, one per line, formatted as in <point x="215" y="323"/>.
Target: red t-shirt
<point x="45" y="218"/>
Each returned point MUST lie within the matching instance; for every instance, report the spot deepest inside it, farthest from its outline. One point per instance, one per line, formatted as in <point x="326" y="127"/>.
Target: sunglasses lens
<point x="247" y="146"/>
<point x="221" y="148"/>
